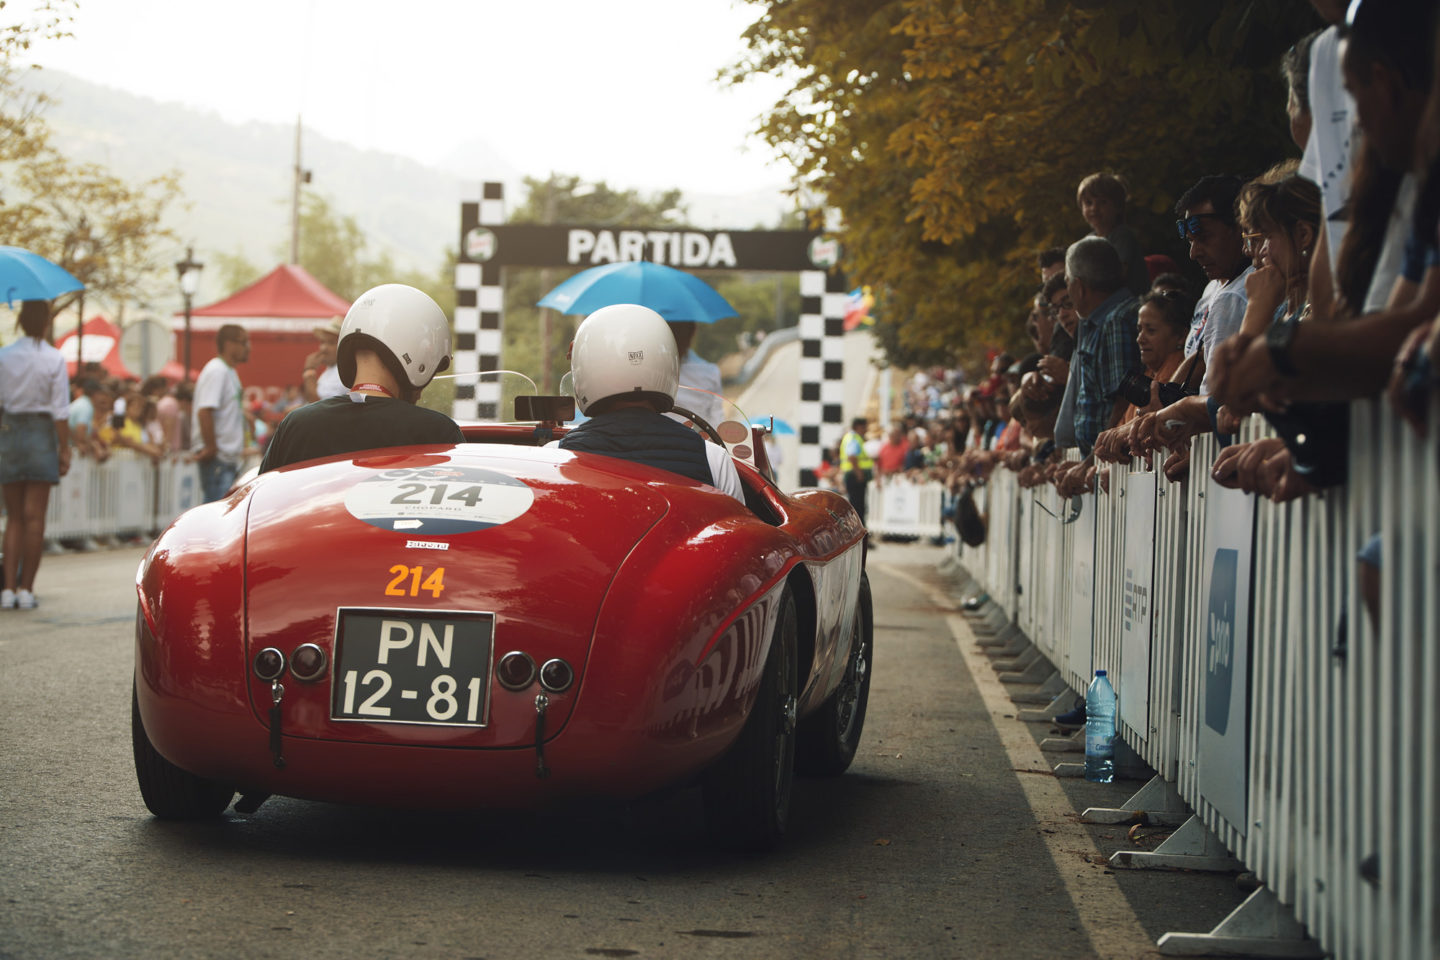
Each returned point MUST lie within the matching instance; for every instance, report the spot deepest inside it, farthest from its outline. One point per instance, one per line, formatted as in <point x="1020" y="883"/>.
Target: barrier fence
<point x="1249" y="677"/>
<point x="126" y="495"/>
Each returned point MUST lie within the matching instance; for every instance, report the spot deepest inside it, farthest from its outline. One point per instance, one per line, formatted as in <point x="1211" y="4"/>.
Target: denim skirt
<point x="28" y="451"/>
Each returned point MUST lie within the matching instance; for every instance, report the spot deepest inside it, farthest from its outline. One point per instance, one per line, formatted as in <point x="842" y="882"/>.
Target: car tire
<point x="747" y="792"/>
<point x="830" y="736"/>
<point x="171" y="793"/>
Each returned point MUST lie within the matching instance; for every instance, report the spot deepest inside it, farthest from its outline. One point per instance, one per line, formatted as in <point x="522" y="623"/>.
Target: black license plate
<point x="407" y="666"/>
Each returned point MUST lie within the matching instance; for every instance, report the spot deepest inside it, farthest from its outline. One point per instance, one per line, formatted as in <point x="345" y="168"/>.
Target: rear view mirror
<point x="559" y="409"/>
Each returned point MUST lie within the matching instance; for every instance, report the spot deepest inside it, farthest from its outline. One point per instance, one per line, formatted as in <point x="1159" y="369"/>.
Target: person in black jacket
<point x="392" y="343"/>
<point x="626" y="369"/>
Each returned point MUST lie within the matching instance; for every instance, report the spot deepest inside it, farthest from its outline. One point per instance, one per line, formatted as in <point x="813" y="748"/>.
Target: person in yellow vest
<point x="856" y="464"/>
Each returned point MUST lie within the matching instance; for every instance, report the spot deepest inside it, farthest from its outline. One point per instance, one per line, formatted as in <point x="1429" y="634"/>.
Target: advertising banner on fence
<point x="1082" y="591"/>
<point x="1222" y="766"/>
<point x="900" y="505"/>
<point x="1136" y="614"/>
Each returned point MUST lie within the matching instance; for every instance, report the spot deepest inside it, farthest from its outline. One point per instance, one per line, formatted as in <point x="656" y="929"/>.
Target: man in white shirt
<point x="699" y="374"/>
<point x="218" y="415"/>
<point x="321" y="379"/>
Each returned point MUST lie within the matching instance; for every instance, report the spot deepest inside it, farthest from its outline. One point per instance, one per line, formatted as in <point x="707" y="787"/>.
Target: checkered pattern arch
<point x="822" y="367"/>
<point x="479" y="304"/>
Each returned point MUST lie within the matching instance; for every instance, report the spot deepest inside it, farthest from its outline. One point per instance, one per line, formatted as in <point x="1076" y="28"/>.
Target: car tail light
<point x="556" y="676"/>
<point x="515" y="671"/>
<point x="307" y="662"/>
<point x="269" y="664"/>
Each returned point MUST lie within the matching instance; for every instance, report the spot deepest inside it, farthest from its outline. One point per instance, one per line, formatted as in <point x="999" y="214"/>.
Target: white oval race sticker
<point x="438" y="501"/>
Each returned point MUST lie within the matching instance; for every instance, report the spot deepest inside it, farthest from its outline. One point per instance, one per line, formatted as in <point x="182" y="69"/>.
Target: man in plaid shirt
<point x="1105" y="349"/>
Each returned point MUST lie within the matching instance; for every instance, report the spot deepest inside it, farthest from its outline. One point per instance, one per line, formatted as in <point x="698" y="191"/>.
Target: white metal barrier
<point x="898" y="506"/>
<point x="126" y="495"/>
<point x="1249" y="676"/>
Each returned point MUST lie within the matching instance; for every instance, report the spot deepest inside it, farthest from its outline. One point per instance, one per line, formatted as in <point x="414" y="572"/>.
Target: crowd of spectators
<point x="150" y="417"/>
<point x="1321" y="287"/>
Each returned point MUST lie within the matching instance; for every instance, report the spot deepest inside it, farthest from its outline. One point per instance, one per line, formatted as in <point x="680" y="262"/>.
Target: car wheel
<point x="747" y="792"/>
<point x="171" y="793"/>
<point x="829" y="736"/>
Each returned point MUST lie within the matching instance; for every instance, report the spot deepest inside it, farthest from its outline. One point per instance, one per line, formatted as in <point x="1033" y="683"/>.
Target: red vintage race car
<point x="501" y="624"/>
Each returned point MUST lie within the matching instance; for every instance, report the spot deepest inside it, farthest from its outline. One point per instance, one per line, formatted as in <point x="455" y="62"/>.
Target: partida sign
<point x="672" y="248"/>
<point x="581" y="246"/>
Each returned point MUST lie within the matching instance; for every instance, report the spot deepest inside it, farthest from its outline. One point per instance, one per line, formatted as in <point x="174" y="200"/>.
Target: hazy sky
<point x="622" y="90"/>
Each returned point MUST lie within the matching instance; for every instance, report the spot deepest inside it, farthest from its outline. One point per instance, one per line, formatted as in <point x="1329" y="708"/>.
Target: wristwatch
<point x="1278" y="339"/>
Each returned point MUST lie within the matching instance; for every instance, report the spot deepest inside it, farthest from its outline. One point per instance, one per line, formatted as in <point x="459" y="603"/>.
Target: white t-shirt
<point x="1217" y="317"/>
<point x="1334" y="138"/>
<point x="218" y="388"/>
<point x="328" y="384"/>
<point x="703" y="375"/>
<point x="33" y="379"/>
<point x="1392" y="250"/>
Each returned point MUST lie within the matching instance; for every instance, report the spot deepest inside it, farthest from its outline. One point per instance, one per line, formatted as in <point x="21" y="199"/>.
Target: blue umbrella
<point x="780" y="427"/>
<point x="29" y="276"/>
<point x="674" y="294"/>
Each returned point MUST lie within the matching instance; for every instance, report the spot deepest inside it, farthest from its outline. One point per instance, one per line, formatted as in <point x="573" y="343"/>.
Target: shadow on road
<point x="656" y="834"/>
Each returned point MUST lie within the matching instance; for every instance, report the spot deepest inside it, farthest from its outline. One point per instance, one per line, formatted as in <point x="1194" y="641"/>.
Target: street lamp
<point x="80" y="252"/>
<point x="189" y="272"/>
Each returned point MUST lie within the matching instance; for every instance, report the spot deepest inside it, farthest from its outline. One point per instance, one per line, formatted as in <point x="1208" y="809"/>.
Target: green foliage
<point x="952" y="135"/>
<point x="233" y="271"/>
<point x="105" y="231"/>
<point x="22" y="131"/>
<point x="57" y="202"/>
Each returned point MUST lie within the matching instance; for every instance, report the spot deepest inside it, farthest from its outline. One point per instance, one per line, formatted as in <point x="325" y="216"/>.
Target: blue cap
<point x="1099" y="673"/>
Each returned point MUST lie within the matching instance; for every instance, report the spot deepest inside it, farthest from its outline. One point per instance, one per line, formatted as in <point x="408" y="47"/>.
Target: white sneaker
<point x="7" y="599"/>
<point x="25" y="600"/>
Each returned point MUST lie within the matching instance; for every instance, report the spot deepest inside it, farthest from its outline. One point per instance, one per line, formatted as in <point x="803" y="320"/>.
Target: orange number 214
<point x="398" y="587"/>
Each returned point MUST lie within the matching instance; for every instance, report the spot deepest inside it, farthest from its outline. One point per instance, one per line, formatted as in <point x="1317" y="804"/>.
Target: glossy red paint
<point x="660" y="593"/>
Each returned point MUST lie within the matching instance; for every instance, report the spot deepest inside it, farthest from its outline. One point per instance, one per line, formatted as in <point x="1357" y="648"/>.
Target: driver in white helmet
<point x="626" y="369"/>
<point x="392" y="343"/>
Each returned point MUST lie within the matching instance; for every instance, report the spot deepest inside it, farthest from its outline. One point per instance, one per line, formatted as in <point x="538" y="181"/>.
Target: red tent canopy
<point x="286" y="291"/>
<point x="280" y="311"/>
<point x="101" y="344"/>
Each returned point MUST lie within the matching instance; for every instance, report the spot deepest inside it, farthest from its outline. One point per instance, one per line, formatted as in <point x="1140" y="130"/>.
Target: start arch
<point x="488" y="245"/>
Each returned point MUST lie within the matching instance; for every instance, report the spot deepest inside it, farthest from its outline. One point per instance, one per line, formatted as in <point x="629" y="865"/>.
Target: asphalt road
<point x="946" y="839"/>
<point x="773" y="393"/>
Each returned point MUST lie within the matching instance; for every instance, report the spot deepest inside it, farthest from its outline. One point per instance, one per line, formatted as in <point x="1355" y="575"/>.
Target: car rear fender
<point x="190" y="650"/>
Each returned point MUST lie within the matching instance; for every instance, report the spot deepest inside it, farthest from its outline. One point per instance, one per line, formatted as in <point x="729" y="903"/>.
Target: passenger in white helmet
<point x="626" y="369"/>
<point x="392" y="343"/>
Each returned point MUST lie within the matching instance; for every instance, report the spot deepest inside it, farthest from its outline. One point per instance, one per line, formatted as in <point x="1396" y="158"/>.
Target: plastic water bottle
<point x="1100" y="729"/>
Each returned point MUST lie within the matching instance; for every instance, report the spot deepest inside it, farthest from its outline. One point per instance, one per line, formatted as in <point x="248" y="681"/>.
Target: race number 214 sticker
<point x="438" y="501"/>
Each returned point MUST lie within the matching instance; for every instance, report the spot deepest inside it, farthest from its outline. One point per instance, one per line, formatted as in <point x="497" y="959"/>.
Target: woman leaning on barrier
<point x="34" y="446"/>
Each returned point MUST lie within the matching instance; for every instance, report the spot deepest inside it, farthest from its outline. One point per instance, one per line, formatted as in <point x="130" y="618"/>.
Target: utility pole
<point x="301" y="176"/>
<point x="547" y="379"/>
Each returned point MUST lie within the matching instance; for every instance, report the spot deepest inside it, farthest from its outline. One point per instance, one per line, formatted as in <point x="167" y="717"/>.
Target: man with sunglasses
<point x="1207" y="223"/>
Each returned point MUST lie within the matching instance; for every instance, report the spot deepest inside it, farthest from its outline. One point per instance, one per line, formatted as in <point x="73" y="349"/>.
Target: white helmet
<point x="404" y="326"/>
<point x="625" y="350"/>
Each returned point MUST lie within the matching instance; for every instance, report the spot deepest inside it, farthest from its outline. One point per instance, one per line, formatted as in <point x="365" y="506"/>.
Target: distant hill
<point x="237" y="177"/>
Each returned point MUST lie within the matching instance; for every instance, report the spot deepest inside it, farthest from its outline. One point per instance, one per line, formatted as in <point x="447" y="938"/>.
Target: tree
<point x="952" y="135"/>
<point x="22" y="132"/>
<point x="105" y="231"/>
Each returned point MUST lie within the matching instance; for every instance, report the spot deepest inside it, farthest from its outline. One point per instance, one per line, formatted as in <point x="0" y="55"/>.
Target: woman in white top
<point x="34" y="446"/>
